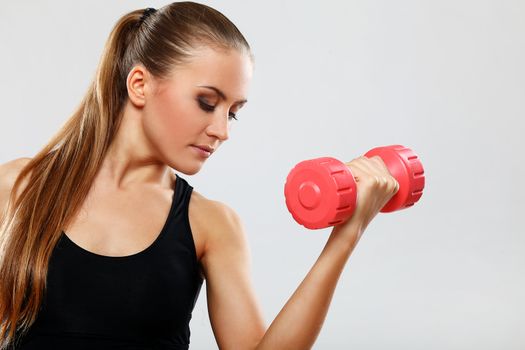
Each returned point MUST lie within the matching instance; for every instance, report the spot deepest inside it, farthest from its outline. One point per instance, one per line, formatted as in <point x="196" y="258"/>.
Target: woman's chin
<point x="190" y="169"/>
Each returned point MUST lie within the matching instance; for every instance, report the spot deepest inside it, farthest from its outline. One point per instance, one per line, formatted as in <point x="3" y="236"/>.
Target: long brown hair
<point x="62" y="172"/>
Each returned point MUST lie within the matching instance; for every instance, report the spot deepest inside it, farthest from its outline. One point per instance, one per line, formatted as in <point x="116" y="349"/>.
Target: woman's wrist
<point x="345" y="236"/>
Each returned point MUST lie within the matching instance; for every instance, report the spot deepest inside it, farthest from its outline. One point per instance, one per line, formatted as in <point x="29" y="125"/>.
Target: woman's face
<point x="196" y="107"/>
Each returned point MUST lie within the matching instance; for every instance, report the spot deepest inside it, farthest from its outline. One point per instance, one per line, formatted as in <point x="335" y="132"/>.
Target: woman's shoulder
<point x="213" y="222"/>
<point x="13" y="166"/>
<point x="212" y="213"/>
<point x="212" y="209"/>
<point x="8" y="173"/>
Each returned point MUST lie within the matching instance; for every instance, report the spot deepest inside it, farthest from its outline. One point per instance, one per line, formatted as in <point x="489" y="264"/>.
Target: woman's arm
<point x="299" y="322"/>
<point x="234" y="313"/>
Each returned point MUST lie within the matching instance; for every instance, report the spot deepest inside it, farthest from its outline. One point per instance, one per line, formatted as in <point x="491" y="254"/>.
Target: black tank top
<point x="141" y="301"/>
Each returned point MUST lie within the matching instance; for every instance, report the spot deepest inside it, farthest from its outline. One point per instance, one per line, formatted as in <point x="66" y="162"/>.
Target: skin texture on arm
<point x="233" y="309"/>
<point x="234" y="312"/>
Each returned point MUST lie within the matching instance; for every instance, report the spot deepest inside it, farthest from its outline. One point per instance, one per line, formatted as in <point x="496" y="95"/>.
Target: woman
<point x="83" y="264"/>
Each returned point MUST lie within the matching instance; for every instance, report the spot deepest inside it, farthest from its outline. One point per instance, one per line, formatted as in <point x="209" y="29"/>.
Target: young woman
<point x="103" y="246"/>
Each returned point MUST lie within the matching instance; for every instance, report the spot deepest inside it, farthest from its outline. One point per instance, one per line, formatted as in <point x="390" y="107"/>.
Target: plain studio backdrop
<point x="337" y="78"/>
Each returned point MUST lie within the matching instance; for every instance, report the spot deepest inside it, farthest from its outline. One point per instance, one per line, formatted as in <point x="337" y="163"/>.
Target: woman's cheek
<point x="157" y="127"/>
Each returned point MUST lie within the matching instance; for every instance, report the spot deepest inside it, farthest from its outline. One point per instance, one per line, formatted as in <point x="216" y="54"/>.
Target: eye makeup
<point x="209" y="108"/>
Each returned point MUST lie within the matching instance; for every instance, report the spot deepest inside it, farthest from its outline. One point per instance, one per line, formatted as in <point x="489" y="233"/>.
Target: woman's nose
<point x="219" y="126"/>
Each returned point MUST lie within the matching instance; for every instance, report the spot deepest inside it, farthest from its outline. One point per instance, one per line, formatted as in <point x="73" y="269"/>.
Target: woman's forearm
<point x="299" y="322"/>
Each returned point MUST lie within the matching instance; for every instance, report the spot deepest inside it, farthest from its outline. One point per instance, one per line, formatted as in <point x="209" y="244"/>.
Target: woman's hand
<point x="375" y="187"/>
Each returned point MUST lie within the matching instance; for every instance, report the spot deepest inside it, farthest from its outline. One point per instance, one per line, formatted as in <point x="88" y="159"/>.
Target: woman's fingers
<point x="375" y="187"/>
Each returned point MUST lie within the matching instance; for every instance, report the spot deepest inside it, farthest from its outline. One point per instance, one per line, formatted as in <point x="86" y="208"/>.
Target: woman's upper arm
<point x="234" y="312"/>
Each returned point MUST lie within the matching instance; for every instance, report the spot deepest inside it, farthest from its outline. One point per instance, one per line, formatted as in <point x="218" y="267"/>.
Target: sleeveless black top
<point x="142" y="301"/>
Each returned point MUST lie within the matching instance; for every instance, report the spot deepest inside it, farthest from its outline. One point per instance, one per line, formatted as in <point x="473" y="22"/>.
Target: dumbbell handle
<point x="322" y="192"/>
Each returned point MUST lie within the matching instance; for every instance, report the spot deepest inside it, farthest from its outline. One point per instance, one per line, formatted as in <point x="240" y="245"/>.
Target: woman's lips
<point x="201" y="151"/>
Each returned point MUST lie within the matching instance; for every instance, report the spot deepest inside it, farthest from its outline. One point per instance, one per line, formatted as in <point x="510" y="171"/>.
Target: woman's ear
<point x="136" y="85"/>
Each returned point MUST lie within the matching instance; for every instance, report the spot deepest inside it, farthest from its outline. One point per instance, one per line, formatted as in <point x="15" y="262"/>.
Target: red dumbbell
<point x="321" y="192"/>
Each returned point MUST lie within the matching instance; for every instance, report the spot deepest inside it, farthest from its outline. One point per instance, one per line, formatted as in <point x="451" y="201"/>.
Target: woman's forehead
<point x="227" y="71"/>
<point x="208" y="60"/>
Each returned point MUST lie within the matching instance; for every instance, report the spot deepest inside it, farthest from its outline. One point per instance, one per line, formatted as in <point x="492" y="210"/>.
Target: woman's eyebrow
<point x="221" y="94"/>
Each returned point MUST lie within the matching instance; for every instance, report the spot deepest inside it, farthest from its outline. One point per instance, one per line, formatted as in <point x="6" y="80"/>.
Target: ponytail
<point x="60" y="177"/>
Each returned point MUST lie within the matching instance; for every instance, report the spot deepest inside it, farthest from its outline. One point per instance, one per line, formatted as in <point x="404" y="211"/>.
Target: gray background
<point x="336" y="78"/>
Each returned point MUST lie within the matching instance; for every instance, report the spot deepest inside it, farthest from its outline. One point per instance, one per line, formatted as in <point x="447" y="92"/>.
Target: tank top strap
<point x="182" y="195"/>
<point x="178" y="230"/>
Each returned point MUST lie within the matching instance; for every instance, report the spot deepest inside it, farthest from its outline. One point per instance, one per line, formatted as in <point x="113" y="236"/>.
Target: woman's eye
<point x="209" y="108"/>
<point x="206" y="107"/>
